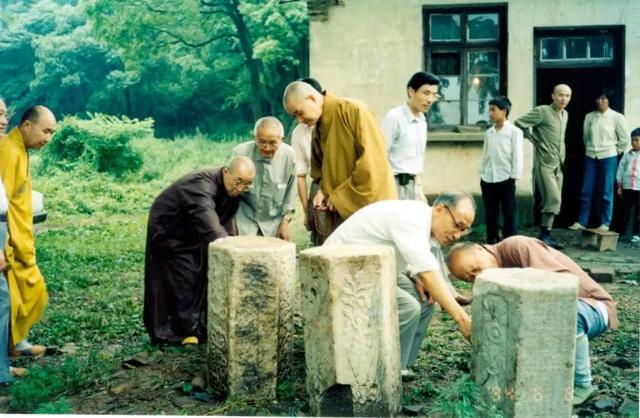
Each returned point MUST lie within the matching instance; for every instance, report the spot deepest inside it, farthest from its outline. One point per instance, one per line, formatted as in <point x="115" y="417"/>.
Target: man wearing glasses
<point x="409" y="226"/>
<point x="265" y="208"/>
<point x="405" y="130"/>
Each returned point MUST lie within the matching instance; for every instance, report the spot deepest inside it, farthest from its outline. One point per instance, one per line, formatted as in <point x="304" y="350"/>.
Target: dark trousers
<point x="630" y="205"/>
<point x="499" y="196"/>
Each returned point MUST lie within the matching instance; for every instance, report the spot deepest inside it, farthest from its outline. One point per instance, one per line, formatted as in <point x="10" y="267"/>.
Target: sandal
<point x="17" y="371"/>
<point x="33" y="351"/>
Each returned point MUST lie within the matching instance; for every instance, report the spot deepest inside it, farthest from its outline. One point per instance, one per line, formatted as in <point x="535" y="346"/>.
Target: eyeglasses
<point x="459" y="225"/>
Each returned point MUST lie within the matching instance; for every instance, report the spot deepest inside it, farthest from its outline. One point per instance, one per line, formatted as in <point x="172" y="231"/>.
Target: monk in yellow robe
<point x="348" y="155"/>
<point x="27" y="290"/>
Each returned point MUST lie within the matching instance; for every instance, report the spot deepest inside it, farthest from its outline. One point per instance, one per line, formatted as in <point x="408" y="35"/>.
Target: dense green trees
<point x="208" y="64"/>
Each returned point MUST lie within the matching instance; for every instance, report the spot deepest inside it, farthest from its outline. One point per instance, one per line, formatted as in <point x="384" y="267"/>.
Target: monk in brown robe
<point x="188" y="215"/>
<point x="348" y="152"/>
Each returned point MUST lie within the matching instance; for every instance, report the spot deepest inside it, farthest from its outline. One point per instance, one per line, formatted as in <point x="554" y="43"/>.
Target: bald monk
<point x="545" y="127"/>
<point x="188" y="215"/>
<point x="28" y="293"/>
<point x="348" y="152"/>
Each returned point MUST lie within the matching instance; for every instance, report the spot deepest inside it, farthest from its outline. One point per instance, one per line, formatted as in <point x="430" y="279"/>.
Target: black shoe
<point x="551" y="242"/>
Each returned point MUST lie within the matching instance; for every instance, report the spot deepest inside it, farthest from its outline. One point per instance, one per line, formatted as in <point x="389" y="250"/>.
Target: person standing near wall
<point x="548" y="125"/>
<point x="628" y="186"/>
<point x="500" y="167"/>
<point x="405" y="130"/>
<point x="605" y="135"/>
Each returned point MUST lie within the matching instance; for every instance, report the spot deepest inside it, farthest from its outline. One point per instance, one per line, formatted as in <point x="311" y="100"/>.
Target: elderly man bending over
<point x="596" y="308"/>
<point x="265" y="208"/>
<point x="408" y="226"/>
<point x="188" y="215"/>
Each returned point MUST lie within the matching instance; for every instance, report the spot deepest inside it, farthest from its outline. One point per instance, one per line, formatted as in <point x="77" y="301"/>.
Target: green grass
<point x="91" y="252"/>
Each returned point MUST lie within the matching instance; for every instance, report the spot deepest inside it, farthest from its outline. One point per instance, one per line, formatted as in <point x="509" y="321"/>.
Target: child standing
<point x="500" y="166"/>
<point x="628" y="186"/>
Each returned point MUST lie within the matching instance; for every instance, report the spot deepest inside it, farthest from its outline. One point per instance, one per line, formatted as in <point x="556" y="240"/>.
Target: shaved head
<point x="561" y="96"/>
<point x="561" y="87"/>
<point x="297" y="91"/>
<point x="238" y="175"/>
<point x="37" y="126"/>
<point x="303" y="102"/>
<point x="241" y="164"/>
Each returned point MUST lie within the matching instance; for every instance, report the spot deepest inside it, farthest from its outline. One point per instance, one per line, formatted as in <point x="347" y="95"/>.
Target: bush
<point x="101" y="142"/>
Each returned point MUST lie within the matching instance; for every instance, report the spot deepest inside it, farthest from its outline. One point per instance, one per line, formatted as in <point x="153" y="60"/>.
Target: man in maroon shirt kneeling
<point x="596" y="308"/>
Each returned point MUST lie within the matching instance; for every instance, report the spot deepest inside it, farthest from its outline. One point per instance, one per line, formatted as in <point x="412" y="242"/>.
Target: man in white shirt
<point x="301" y="143"/>
<point x="605" y="135"/>
<point x="408" y="226"/>
<point x="500" y="167"/>
<point x="405" y="130"/>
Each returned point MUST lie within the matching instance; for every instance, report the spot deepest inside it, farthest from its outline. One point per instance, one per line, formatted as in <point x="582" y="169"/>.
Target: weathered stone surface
<point x="524" y="325"/>
<point x="250" y="324"/>
<point x="601" y="240"/>
<point x="602" y="274"/>
<point x="351" y="331"/>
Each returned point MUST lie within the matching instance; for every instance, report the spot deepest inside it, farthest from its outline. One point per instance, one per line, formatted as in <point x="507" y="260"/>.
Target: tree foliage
<point x="211" y="65"/>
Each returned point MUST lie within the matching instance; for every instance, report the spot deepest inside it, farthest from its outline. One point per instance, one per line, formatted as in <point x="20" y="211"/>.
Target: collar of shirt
<point x="410" y="116"/>
<point x="506" y="128"/>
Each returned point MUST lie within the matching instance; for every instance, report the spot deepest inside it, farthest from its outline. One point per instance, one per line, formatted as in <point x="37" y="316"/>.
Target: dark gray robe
<point x="184" y="219"/>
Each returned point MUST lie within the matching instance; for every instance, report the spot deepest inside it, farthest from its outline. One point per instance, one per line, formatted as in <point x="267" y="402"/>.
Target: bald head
<point x="303" y="102"/>
<point x="37" y="126"/>
<point x="238" y="175"/>
<point x="466" y="261"/>
<point x="561" y="96"/>
<point x="241" y="164"/>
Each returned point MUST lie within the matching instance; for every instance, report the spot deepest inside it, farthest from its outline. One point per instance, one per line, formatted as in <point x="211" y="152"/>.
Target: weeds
<point x="463" y="399"/>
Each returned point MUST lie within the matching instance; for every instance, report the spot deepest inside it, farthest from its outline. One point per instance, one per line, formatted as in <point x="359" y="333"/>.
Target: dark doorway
<point x="588" y="77"/>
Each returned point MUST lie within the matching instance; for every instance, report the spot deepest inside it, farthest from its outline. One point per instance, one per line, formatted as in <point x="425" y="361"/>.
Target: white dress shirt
<point x="404" y="225"/>
<point x="4" y="203"/>
<point x="502" y="154"/>
<point x="301" y="143"/>
<point x="629" y="171"/>
<point x="406" y="137"/>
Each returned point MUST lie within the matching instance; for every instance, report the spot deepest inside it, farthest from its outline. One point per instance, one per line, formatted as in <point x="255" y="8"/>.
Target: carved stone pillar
<point x="351" y="330"/>
<point x="524" y="330"/>
<point x="250" y="323"/>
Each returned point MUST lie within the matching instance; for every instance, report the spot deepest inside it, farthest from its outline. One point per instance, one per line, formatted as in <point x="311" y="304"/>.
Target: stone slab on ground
<point x="599" y="239"/>
<point x="524" y="323"/>
<point x="351" y="336"/>
<point x="601" y="274"/>
<point x="250" y="324"/>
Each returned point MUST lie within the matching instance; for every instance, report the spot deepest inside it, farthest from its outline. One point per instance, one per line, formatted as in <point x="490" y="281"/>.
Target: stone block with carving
<point x="524" y="330"/>
<point x="351" y="331"/>
<point x="250" y="318"/>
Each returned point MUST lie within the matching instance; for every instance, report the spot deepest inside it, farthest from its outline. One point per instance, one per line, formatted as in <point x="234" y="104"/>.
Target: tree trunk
<point x="254" y="66"/>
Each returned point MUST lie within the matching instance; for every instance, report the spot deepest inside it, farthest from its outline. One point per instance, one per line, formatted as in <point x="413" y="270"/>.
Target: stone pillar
<point x="351" y="333"/>
<point x="524" y="331"/>
<point x="250" y="323"/>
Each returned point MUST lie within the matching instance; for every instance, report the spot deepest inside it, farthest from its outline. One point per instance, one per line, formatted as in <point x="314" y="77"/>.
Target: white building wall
<point x="369" y="48"/>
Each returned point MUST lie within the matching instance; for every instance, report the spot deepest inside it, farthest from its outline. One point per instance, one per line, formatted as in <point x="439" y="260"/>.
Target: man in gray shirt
<point x="548" y="124"/>
<point x="265" y="208"/>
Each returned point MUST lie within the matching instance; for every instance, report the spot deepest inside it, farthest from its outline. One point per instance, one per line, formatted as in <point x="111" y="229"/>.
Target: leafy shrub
<point x="102" y="142"/>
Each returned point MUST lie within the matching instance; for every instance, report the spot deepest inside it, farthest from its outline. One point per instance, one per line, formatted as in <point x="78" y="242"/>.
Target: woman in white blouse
<point x="500" y="166"/>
